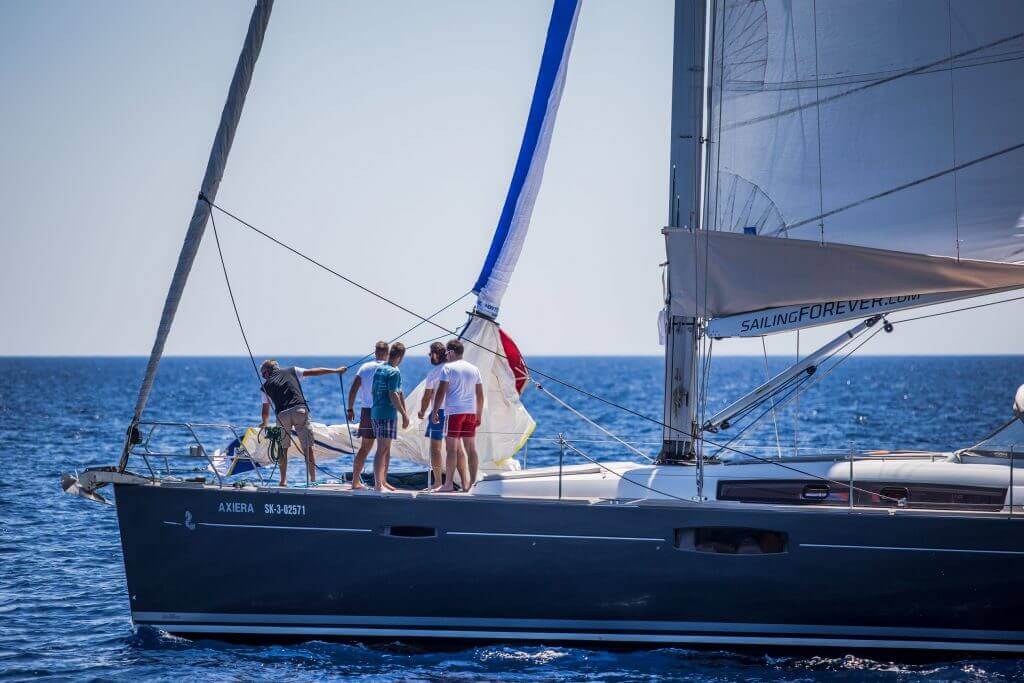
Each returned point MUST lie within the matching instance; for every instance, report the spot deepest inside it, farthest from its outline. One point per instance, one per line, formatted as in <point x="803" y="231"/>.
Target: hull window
<point x="731" y="540"/>
<point x="866" y="494"/>
<point x="410" y="531"/>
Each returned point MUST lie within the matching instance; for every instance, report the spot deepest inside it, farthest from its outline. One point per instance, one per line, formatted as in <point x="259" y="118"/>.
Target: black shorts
<point x="365" y="430"/>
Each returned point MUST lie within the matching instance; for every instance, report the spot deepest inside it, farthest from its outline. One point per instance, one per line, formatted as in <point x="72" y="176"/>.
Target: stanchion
<point x="561" y="459"/>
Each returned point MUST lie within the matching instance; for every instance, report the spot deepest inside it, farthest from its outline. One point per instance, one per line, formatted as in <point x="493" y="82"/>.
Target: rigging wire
<point x="790" y="388"/>
<point x="252" y="358"/>
<point x="414" y="314"/>
<point x="775" y="418"/>
<point x="619" y="474"/>
<point x="583" y="417"/>
<point x="808" y="380"/>
<point x="231" y="294"/>
<point x="957" y="310"/>
<point x="796" y="411"/>
<point x="241" y="328"/>
<point x="839" y="484"/>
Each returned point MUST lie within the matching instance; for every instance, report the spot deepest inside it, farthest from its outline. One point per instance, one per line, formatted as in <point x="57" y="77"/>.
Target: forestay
<point x="889" y="125"/>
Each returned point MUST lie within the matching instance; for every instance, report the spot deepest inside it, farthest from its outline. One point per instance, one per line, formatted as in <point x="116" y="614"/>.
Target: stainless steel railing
<point x="153" y="447"/>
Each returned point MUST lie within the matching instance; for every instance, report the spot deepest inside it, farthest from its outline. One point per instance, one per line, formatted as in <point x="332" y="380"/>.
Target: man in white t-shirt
<point x="461" y="391"/>
<point x="362" y="386"/>
<point x="435" y="430"/>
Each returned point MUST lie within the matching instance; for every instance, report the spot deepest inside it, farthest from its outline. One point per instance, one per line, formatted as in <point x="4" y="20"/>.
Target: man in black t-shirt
<point x="282" y="388"/>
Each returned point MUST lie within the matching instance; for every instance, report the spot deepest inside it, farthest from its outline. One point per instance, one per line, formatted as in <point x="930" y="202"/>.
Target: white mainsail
<point x="889" y="125"/>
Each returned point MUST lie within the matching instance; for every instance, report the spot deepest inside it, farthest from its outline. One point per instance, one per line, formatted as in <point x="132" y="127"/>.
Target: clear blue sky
<point x="379" y="137"/>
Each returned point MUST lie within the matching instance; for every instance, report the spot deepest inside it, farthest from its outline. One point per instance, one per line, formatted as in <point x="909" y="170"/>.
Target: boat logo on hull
<point x="189" y="524"/>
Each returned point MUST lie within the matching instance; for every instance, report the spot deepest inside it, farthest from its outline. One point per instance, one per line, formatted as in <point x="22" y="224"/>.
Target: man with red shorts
<point x="461" y="392"/>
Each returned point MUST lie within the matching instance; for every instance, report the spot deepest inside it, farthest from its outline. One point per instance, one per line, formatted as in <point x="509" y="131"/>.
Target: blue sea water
<point x="63" y="606"/>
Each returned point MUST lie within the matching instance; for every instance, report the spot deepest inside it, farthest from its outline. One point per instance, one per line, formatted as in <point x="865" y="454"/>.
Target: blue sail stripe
<point x="559" y="32"/>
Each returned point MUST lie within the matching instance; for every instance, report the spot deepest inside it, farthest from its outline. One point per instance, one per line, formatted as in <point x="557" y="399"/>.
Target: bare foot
<point x="283" y="484"/>
<point x="447" y="488"/>
<point x="389" y="487"/>
<point x="358" y="487"/>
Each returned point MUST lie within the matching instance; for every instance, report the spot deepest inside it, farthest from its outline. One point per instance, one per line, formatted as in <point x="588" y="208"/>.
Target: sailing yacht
<point x="830" y="162"/>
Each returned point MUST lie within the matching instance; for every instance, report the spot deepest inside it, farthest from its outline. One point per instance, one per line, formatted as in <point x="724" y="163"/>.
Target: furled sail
<point x="889" y="125"/>
<point x="506" y="424"/>
<point x="514" y="221"/>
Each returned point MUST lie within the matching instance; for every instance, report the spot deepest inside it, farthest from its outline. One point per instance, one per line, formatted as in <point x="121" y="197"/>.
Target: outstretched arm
<point x="315" y="372"/>
<point x="265" y="415"/>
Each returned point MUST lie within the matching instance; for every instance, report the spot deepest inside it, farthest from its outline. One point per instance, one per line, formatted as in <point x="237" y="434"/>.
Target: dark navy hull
<point x="315" y="563"/>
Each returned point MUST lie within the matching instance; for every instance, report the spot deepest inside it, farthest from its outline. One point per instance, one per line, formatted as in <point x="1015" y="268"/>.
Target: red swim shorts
<point x="463" y="424"/>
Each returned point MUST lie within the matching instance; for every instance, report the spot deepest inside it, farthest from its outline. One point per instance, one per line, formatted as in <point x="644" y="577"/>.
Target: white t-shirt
<point x="433" y="377"/>
<point x="462" y="377"/>
<point x="299" y="373"/>
<point x="365" y="376"/>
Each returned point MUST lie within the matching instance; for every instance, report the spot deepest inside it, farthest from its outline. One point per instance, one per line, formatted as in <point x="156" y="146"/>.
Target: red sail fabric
<point x="515" y="360"/>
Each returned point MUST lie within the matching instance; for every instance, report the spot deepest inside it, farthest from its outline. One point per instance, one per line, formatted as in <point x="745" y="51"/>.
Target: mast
<point x="684" y="212"/>
<point x="207" y="194"/>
